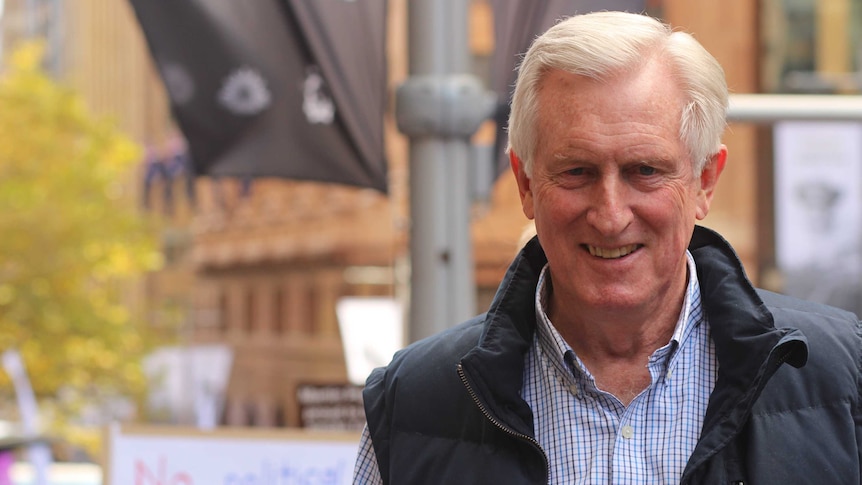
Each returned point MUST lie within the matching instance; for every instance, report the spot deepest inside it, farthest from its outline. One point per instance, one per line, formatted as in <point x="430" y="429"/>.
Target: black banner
<point x="279" y="88"/>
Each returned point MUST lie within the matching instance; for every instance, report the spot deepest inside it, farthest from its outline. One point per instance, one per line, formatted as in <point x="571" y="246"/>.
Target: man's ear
<point x="708" y="180"/>
<point x="523" y="181"/>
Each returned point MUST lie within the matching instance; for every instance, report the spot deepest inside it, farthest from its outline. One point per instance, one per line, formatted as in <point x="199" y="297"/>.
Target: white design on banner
<point x="244" y="92"/>
<point x="178" y="82"/>
<point x="316" y="103"/>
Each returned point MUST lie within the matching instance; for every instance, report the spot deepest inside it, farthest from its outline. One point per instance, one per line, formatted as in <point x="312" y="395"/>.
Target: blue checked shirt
<point x="587" y="434"/>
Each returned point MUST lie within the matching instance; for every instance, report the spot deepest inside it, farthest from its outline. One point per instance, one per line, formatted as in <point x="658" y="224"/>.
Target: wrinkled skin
<point x="611" y="178"/>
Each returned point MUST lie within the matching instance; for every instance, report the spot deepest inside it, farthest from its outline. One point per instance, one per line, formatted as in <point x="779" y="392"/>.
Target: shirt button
<point x="627" y="432"/>
<point x="573" y="389"/>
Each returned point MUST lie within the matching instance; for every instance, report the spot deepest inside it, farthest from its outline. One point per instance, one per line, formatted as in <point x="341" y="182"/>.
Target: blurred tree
<point x="71" y="240"/>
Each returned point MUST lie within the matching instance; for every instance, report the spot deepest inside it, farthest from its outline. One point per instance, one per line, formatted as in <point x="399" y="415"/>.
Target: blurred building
<point x="259" y="266"/>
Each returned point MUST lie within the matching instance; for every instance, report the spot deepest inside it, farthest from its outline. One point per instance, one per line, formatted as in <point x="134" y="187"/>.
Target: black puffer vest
<point x="447" y="409"/>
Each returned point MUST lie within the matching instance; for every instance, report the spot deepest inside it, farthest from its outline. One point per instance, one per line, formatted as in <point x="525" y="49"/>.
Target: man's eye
<point x="646" y="170"/>
<point x="575" y="171"/>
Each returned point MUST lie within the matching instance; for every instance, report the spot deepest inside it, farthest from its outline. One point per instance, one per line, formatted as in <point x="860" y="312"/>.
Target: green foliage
<point x="71" y="242"/>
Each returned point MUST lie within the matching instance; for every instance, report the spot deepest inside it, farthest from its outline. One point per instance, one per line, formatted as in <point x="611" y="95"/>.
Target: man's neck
<point x="615" y="344"/>
<point x="605" y="336"/>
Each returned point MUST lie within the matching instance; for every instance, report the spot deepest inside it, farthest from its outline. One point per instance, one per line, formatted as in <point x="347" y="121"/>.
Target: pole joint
<point x="452" y="106"/>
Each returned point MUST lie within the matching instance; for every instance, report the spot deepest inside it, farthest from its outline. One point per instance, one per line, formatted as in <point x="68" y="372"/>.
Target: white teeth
<point x="612" y="253"/>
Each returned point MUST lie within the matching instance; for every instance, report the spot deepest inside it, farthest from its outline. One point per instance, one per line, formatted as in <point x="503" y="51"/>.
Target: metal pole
<point x="439" y="107"/>
<point x="462" y="279"/>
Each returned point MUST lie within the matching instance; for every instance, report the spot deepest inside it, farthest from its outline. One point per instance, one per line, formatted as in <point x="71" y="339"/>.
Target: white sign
<point x="818" y="192"/>
<point x="168" y="456"/>
<point x="189" y="382"/>
<point x="372" y="330"/>
<point x="818" y="211"/>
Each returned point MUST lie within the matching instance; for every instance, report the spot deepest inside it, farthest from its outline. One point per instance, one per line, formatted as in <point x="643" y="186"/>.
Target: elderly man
<point x="626" y="344"/>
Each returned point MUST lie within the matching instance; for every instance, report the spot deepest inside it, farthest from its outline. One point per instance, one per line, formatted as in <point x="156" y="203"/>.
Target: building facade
<point x="259" y="268"/>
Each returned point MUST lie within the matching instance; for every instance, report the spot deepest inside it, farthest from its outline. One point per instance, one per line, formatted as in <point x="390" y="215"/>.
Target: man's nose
<point x="609" y="206"/>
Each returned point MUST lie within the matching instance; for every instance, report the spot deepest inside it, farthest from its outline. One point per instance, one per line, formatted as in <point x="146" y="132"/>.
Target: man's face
<point x="613" y="192"/>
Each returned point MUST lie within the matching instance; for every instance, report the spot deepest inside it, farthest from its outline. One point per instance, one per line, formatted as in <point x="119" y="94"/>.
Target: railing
<point x="769" y="108"/>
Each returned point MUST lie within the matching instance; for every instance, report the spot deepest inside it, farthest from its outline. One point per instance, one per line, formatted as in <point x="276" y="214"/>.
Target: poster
<point x="818" y="210"/>
<point x="228" y="456"/>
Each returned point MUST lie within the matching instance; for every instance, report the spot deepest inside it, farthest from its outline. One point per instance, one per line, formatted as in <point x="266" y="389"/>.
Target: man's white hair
<point x="601" y="44"/>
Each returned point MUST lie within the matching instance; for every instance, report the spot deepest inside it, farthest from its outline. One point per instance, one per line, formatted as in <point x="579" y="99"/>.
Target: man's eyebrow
<point x="568" y="153"/>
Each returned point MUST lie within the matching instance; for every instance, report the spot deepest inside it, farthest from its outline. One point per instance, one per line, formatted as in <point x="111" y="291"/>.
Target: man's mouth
<point x="613" y="253"/>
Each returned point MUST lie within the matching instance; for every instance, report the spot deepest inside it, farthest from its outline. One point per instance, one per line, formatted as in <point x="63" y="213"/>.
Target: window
<point x="811" y="46"/>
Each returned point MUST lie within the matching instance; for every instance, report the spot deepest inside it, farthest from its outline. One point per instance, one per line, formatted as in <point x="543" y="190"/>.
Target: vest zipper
<point x="500" y="425"/>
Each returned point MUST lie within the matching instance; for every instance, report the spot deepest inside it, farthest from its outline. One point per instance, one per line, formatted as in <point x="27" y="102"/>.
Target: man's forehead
<point x="567" y="97"/>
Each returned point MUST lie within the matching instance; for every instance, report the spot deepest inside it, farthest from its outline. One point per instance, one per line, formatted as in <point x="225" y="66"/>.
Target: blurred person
<point x="625" y="344"/>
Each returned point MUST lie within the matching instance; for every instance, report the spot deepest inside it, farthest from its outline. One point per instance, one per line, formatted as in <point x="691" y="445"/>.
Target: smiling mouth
<point x="613" y="253"/>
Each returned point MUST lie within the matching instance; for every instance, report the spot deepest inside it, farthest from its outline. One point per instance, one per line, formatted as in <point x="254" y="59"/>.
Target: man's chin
<point x="616" y="298"/>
